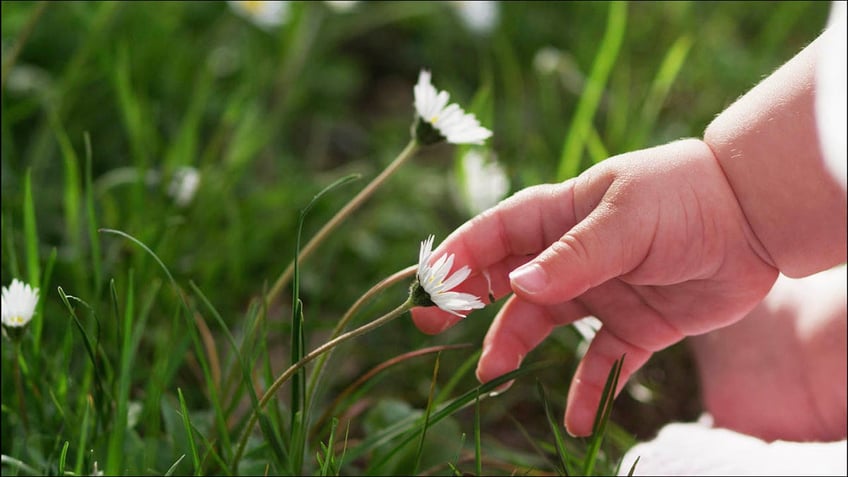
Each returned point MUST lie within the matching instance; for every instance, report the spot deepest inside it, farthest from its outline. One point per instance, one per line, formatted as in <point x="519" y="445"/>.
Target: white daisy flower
<point x="587" y="327"/>
<point x="440" y="121"/>
<point x="264" y="14"/>
<point x="18" y="304"/>
<point x="432" y="285"/>
<point x="479" y="16"/>
<point x="483" y="181"/>
<point x="184" y="185"/>
<point x="341" y="6"/>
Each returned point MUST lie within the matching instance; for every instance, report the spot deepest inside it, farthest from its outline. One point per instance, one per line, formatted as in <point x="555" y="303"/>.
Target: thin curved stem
<point x="342" y="214"/>
<point x="407" y="272"/>
<point x="303" y="362"/>
<point x="376" y="370"/>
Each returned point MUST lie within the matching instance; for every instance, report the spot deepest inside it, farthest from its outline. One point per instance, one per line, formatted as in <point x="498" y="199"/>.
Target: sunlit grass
<point x="163" y="325"/>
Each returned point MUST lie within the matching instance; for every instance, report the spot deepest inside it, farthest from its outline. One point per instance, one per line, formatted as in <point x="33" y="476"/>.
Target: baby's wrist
<point x="767" y="145"/>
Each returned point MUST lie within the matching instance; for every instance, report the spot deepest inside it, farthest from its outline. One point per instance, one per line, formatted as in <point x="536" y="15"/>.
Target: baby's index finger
<point x="522" y="225"/>
<point x="499" y="240"/>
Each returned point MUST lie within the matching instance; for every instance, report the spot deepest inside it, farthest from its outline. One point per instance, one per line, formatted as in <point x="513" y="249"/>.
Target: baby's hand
<point x="653" y="243"/>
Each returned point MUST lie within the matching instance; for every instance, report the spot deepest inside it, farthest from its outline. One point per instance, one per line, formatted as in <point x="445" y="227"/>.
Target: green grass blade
<point x="358" y="387"/>
<point x="553" y="423"/>
<point x="535" y="444"/>
<point x="132" y="107"/>
<point x="38" y="325"/>
<point x="63" y="456"/>
<point x="319" y="367"/>
<point x="328" y="463"/>
<point x="195" y="458"/>
<point x="72" y="194"/>
<point x="458" y="376"/>
<point x="633" y="467"/>
<point x="78" y="65"/>
<point x="10" y="260"/>
<point x="19" y="465"/>
<point x="426" y="420"/>
<point x="406" y="430"/>
<point x="581" y="124"/>
<point x="184" y="147"/>
<point x="298" y="381"/>
<point x="597" y="150"/>
<point x="83" y="437"/>
<point x="31" y="233"/>
<point x="298" y="387"/>
<point x="115" y="456"/>
<point x="268" y="430"/>
<point x="173" y="467"/>
<point x="602" y="416"/>
<point x="249" y="356"/>
<point x="116" y="312"/>
<point x="90" y="347"/>
<point x="93" y="237"/>
<point x="220" y="421"/>
<point x="210" y="451"/>
<point x="210" y="448"/>
<point x="660" y="87"/>
<point x="478" y="453"/>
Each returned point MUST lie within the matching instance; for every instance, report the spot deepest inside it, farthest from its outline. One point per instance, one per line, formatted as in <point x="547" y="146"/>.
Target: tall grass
<point x="163" y="326"/>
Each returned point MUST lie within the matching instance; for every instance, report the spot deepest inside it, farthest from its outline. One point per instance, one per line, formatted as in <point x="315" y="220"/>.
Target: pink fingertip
<point x="578" y="421"/>
<point x="530" y="279"/>
<point x="428" y="321"/>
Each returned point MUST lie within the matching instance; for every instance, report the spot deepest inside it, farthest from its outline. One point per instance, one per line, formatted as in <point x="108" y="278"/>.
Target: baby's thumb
<point x="592" y="252"/>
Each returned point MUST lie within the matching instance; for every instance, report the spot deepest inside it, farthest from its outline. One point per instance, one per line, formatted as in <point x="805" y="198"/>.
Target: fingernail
<point x="579" y="419"/>
<point x="530" y="278"/>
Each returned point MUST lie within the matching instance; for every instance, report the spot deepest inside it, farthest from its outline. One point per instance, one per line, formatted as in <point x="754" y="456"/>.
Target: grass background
<point x="102" y="103"/>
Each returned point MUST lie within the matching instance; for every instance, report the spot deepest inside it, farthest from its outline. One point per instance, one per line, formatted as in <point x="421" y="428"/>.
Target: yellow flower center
<point x="253" y="6"/>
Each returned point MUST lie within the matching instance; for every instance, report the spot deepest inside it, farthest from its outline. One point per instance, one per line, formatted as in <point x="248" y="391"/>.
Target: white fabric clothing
<point x="699" y="449"/>
<point x="832" y="92"/>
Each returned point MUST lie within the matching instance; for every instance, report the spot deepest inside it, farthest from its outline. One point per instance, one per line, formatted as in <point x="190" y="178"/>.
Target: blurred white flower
<point x="432" y="285"/>
<point x="18" y="304"/>
<point x="478" y="16"/>
<point x="547" y="60"/>
<point x="553" y="61"/>
<point x="483" y="181"/>
<point x="184" y="185"/>
<point x="440" y="121"/>
<point x="341" y="6"/>
<point x="587" y="327"/>
<point x="264" y="14"/>
<point x="28" y="79"/>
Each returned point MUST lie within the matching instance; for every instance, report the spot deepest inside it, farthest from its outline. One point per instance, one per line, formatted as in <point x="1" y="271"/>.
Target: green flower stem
<point x="19" y="385"/>
<point x="315" y="377"/>
<point x="348" y="209"/>
<point x="406" y="306"/>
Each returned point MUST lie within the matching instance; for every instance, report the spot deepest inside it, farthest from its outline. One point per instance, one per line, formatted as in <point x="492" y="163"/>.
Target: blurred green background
<point x="268" y="116"/>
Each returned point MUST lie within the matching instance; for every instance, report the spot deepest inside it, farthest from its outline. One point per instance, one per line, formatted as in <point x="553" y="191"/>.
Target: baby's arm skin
<point x="788" y="353"/>
<point x="659" y="244"/>
<point x="767" y="145"/>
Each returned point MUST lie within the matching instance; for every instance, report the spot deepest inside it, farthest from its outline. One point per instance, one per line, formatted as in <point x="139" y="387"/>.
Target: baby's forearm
<point x="767" y="145"/>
